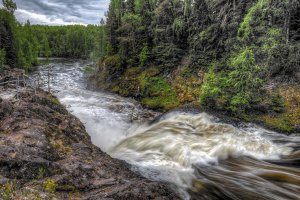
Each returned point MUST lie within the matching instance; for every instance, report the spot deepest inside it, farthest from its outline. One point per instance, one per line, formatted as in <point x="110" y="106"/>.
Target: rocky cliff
<point x="45" y="153"/>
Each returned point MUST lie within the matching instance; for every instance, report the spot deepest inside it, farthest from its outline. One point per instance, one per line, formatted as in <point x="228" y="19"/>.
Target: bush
<point x="159" y="94"/>
<point x="236" y="89"/>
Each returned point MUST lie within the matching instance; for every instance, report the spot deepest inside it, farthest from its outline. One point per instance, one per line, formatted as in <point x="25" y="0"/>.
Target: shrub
<point x="233" y="90"/>
<point x="159" y="94"/>
<point x="49" y="185"/>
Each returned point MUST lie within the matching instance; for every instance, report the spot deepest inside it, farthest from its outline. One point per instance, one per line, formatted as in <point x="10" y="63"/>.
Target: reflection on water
<point x="203" y="158"/>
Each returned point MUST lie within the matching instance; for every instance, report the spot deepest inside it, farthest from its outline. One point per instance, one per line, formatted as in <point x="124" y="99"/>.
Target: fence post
<point x="49" y="79"/>
<point x="24" y="81"/>
<point x="38" y="81"/>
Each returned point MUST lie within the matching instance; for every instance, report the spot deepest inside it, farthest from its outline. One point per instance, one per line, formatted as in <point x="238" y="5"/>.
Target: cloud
<point x="58" y="12"/>
<point x="41" y="19"/>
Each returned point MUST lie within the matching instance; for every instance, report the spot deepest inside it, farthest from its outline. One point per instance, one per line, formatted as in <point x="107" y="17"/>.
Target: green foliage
<point x="202" y="35"/>
<point x="23" y="44"/>
<point x="144" y="55"/>
<point x="272" y="39"/>
<point x="138" y="5"/>
<point x="132" y="18"/>
<point x="235" y="46"/>
<point x="236" y="89"/>
<point x="187" y="73"/>
<point x="28" y="47"/>
<point x="50" y="185"/>
<point x="69" y="41"/>
<point x="113" y="61"/>
<point x="2" y="58"/>
<point x="246" y="27"/>
<point x="41" y="173"/>
<point x="8" y="37"/>
<point x="10" y="6"/>
<point x="213" y="90"/>
<point x="159" y="94"/>
<point x="178" y="26"/>
<point x="169" y="56"/>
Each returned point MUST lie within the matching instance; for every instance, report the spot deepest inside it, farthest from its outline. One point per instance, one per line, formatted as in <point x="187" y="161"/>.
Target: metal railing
<point x="23" y="80"/>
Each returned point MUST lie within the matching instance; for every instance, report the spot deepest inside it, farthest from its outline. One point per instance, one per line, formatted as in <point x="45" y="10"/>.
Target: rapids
<point x="197" y="154"/>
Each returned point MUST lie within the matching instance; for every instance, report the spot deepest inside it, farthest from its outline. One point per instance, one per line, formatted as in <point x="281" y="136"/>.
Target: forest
<point x="223" y="54"/>
<point x="22" y="44"/>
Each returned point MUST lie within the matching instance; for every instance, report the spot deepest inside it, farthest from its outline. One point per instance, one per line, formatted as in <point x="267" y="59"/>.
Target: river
<point x="197" y="154"/>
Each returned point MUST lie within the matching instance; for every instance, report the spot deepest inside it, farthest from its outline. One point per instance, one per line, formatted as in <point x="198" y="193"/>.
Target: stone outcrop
<point x="45" y="153"/>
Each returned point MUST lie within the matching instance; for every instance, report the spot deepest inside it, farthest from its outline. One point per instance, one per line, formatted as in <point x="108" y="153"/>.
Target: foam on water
<point x="107" y="117"/>
<point x="172" y="146"/>
<point x="192" y="151"/>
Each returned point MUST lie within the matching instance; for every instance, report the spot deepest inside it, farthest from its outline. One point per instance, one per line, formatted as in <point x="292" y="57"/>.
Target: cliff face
<point x="46" y="153"/>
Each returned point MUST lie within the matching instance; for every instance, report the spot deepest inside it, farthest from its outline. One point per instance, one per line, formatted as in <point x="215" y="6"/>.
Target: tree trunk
<point x="288" y="21"/>
<point x="234" y="6"/>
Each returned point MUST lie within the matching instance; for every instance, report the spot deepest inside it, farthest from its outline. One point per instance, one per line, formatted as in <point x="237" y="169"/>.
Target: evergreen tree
<point x="8" y="41"/>
<point x="10" y="6"/>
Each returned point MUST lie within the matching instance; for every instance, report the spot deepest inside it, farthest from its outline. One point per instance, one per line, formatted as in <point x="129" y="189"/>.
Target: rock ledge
<point x="45" y="153"/>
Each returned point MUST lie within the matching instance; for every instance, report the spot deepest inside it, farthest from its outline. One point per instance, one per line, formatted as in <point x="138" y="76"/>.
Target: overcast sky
<point x="61" y="12"/>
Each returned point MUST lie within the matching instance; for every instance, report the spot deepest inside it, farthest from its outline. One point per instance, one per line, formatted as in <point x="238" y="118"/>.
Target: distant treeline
<point x="22" y="44"/>
<point x="74" y="41"/>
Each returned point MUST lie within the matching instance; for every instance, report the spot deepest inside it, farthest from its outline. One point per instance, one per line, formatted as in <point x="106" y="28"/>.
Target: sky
<point x="61" y="12"/>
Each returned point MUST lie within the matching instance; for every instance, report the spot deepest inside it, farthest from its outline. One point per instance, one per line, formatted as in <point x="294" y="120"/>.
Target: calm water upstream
<point x="200" y="156"/>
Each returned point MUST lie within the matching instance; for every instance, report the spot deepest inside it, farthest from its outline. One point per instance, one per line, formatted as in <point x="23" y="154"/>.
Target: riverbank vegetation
<point x="231" y="56"/>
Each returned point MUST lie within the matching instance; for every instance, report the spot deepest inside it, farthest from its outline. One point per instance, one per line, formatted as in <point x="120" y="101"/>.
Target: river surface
<point x="197" y="154"/>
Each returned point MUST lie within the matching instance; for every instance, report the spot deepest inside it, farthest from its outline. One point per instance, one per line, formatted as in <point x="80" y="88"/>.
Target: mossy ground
<point x="155" y="91"/>
<point x="288" y="120"/>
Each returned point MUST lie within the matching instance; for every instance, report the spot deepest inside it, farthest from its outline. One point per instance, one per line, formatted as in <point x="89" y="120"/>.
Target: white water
<point x="191" y="151"/>
<point x="107" y="117"/>
<point x="169" y="149"/>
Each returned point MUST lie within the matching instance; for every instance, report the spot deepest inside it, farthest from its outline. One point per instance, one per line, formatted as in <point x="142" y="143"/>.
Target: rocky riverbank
<point x="45" y="153"/>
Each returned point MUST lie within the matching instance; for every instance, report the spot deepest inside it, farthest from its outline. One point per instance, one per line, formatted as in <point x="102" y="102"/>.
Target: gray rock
<point x="41" y="141"/>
